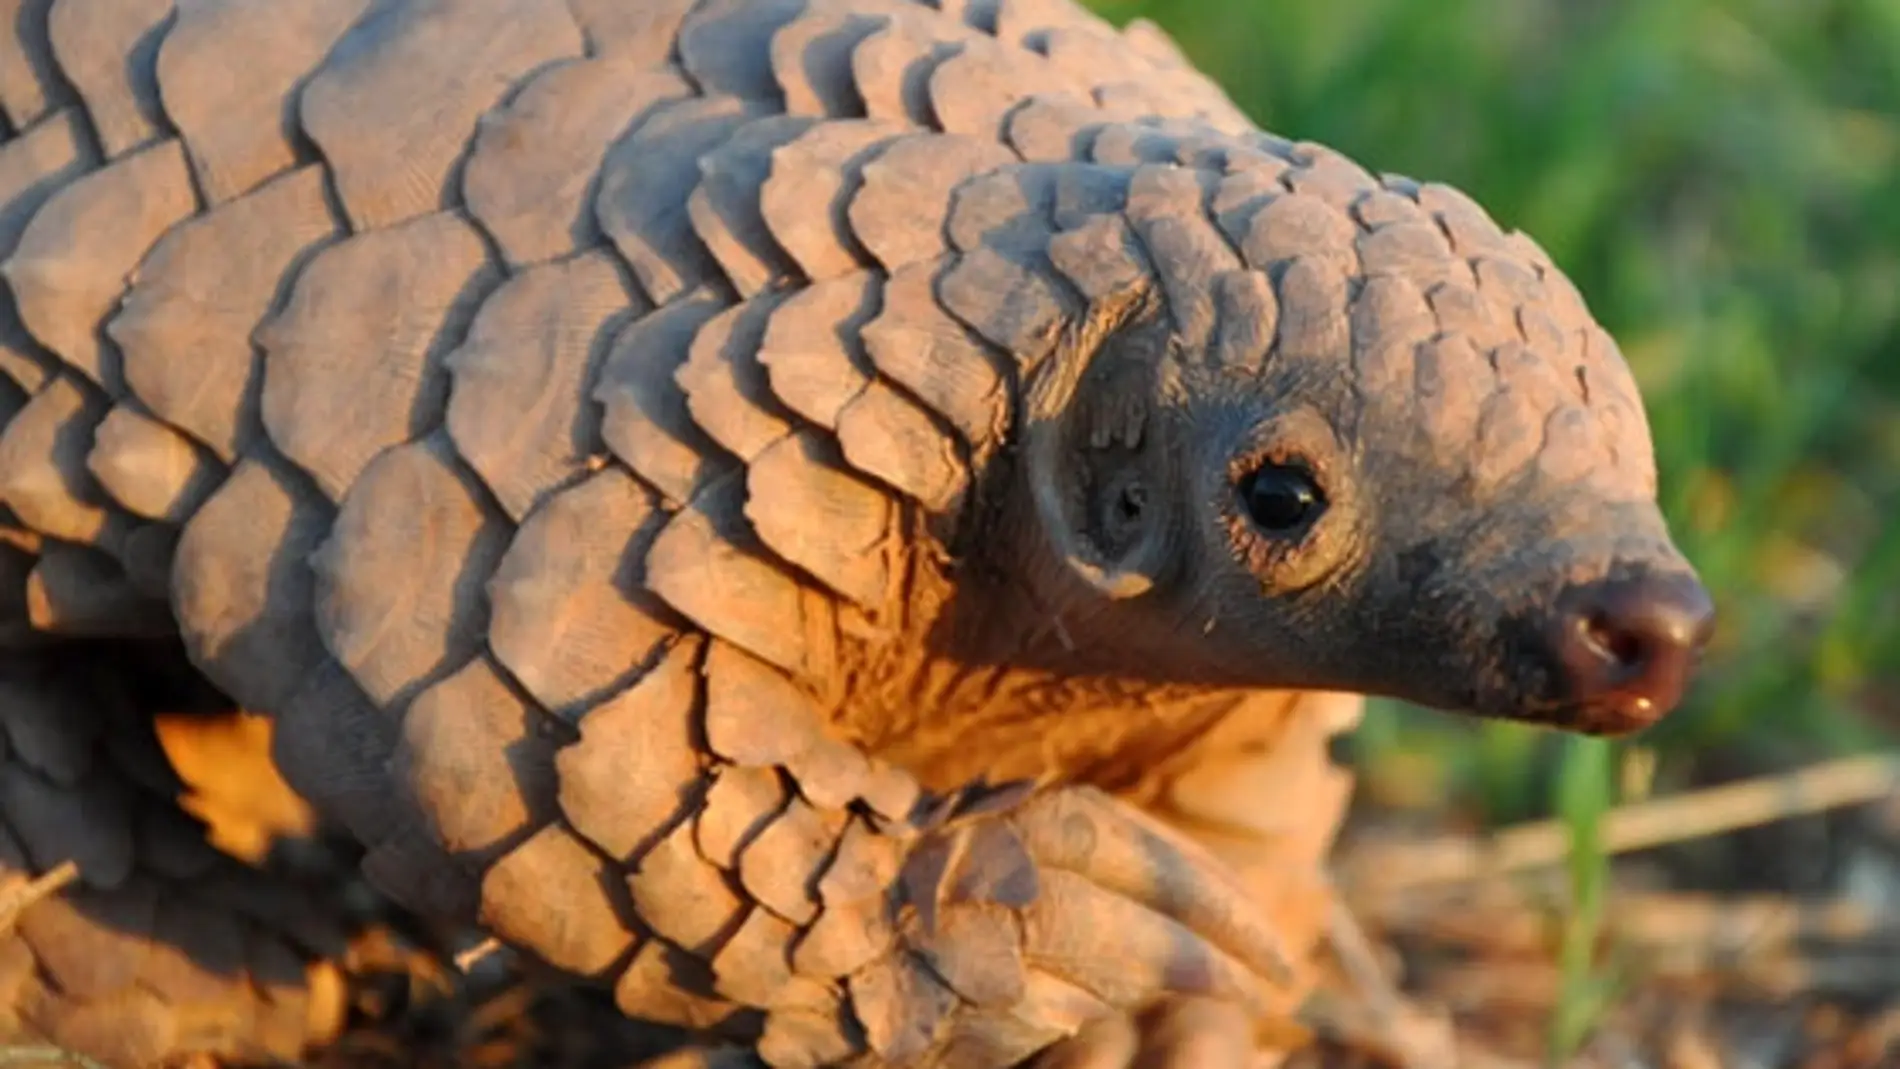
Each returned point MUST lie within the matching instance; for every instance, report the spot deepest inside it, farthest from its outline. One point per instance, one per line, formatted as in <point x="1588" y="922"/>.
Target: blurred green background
<point x="1722" y="180"/>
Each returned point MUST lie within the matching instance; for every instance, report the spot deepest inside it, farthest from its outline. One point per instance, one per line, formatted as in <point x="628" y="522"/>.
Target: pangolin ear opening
<point x="1095" y="460"/>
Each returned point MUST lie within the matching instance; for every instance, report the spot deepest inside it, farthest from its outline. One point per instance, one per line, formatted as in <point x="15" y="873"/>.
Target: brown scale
<point x="16" y="565"/>
<point x="244" y="586"/>
<point x="810" y="510"/>
<point x="43" y="476"/>
<point x="1051" y="129"/>
<point x="517" y="410"/>
<point x="812" y="178"/>
<point x="913" y="173"/>
<point x="645" y="420"/>
<point x="1413" y="249"/>
<point x="664" y="983"/>
<point x="781" y="866"/>
<point x="739" y="803"/>
<point x="531" y="173"/>
<point x="399" y="591"/>
<point x="726" y="45"/>
<point x="891" y="68"/>
<point x="30" y="82"/>
<point x="467" y="728"/>
<point x="727" y="390"/>
<point x="908" y="448"/>
<point x="49" y="727"/>
<point x="35" y="164"/>
<point x="977" y="14"/>
<point x="754" y="965"/>
<point x="726" y="210"/>
<point x="185" y="329"/>
<point x="684" y="898"/>
<point x="934" y="358"/>
<point x="811" y="60"/>
<point x="236" y="119"/>
<point x="1243" y="191"/>
<point x="647" y="729"/>
<point x="353" y="363"/>
<point x="1166" y="209"/>
<point x="1247" y="317"/>
<point x="333" y="746"/>
<point x="582" y="933"/>
<point x="392" y="105"/>
<point x="570" y="615"/>
<point x="973" y="91"/>
<point x="150" y="468"/>
<point x="644" y="185"/>
<point x="1328" y="175"/>
<point x="1192" y="145"/>
<point x="810" y="351"/>
<point x="1012" y="305"/>
<point x="1388" y="319"/>
<point x="643" y="33"/>
<point x="1101" y="258"/>
<point x="709" y="567"/>
<point x="69" y="270"/>
<point x="107" y="50"/>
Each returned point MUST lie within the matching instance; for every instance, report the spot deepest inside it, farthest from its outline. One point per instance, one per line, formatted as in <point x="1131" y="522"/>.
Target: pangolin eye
<point x="1280" y="498"/>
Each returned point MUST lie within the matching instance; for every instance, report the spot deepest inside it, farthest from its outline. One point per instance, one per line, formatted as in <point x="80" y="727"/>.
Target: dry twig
<point x="1390" y="867"/>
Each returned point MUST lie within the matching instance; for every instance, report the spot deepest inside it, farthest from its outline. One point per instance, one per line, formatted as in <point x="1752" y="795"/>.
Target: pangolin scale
<point x="663" y="467"/>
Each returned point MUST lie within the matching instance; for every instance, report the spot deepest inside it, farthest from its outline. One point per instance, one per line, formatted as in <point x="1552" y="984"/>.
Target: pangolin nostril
<point x="1622" y="648"/>
<point x="1628" y="646"/>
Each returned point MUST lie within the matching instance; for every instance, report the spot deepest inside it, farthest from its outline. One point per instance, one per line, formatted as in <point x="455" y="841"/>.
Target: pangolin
<point x="846" y="523"/>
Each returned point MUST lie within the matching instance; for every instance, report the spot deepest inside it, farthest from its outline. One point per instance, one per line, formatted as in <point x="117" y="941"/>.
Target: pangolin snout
<point x="1626" y="648"/>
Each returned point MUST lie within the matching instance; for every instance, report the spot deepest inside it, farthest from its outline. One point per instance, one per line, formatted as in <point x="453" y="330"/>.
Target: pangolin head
<point x="1404" y="460"/>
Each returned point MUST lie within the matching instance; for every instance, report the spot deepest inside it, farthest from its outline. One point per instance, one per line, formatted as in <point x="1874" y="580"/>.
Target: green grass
<point x="1722" y="180"/>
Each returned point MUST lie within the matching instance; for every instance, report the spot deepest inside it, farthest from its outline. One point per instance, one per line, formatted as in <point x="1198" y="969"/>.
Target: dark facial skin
<point x="1487" y="543"/>
<point x="1439" y="487"/>
<point x="1553" y="602"/>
